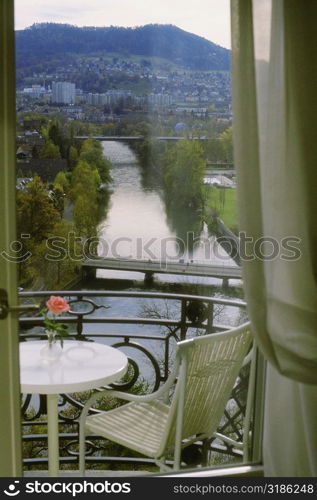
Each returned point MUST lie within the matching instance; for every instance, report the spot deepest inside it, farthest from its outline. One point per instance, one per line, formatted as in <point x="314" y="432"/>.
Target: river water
<point x="138" y="224"/>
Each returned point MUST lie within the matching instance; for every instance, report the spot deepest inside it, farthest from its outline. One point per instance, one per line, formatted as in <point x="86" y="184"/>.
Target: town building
<point x="63" y="92"/>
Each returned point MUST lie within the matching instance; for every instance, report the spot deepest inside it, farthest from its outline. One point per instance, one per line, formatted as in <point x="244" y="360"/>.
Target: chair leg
<point x="162" y="465"/>
<point x="82" y="451"/>
<point x="177" y="462"/>
<point x="205" y="452"/>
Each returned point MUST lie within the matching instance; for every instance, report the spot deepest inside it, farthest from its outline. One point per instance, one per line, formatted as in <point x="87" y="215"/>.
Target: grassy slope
<point x="223" y="201"/>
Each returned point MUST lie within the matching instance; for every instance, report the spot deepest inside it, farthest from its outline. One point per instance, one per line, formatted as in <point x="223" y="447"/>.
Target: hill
<point x="48" y="45"/>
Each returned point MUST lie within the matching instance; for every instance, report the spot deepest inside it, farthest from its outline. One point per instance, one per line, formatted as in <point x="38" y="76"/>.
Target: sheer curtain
<point x="274" y="104"/>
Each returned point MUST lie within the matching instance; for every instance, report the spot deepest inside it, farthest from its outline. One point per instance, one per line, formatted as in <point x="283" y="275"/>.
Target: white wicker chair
<point x="205" y="372"/>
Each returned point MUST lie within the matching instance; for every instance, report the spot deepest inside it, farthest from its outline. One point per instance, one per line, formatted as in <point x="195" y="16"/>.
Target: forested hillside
<point x="45" y="43"/>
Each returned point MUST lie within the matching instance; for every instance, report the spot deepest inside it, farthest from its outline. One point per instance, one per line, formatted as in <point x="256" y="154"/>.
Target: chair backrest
<point x="209" y="366"/>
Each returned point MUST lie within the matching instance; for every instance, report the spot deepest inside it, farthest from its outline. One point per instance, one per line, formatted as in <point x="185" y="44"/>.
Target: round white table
<point x="82" y="366"/>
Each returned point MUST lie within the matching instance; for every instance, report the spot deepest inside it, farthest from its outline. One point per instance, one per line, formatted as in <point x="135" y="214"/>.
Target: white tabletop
<point x="82" y="366"/>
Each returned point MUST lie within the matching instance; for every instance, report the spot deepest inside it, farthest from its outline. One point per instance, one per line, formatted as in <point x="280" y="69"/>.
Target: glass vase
<point x="52" y="350"/>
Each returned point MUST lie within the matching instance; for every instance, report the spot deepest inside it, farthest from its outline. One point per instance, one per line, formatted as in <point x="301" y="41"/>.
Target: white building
<point x="160" y="99"/>
<point x="63" y="92"/>
<point x="110" y="97"/>
<point x="35" y="91"/>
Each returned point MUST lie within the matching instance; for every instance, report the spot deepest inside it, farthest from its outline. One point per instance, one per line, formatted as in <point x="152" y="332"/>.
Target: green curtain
<point x="274" y="105"/>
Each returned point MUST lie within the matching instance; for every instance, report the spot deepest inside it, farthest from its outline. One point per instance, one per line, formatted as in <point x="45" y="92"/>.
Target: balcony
<point x="149" y="342"/>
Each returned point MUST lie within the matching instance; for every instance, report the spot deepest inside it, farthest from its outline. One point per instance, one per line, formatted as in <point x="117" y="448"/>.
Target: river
<point x="137" y="224"/>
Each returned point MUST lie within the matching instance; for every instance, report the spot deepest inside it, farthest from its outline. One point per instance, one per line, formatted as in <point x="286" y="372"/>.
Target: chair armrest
<point x="249" y="356"/>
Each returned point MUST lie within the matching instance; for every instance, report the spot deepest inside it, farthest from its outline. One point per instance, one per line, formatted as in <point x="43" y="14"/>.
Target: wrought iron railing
<point x="171" y="317"/>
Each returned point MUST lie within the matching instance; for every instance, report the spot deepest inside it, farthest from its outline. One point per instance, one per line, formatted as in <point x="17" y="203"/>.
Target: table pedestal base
<point x="52" y="435"/>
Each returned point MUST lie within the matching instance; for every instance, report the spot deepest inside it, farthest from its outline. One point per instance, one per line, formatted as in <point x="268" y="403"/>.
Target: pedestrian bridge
<point x="133" y="138"/>
<point x="151" y="267"/>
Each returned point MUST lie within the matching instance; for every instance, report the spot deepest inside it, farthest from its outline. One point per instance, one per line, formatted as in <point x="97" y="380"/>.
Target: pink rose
<point x="57" y="305"/>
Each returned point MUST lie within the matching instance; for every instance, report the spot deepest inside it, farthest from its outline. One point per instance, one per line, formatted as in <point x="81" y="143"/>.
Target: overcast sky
<point x="207" y="18"/>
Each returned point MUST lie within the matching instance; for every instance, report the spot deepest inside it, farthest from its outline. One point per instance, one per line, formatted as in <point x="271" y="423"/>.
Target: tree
<point x="58" y="258"/>
<point x="183" y="174"/>
<point x="108" y="128"/>
<point x="57" y="196"/>
<point x="50" y="150"/>
<point x="36" y="218"/>
<point x="62" y="180"/>
<point x="84" y="193"/>
<point x="92" y="153"/>
<point x="35" y="152"/>
<point x="227" y="145"/>
<point x="214" y="149"/>
<point x="85" y="180"/>
<point x="36" y="214"/>
<point x="85" y="214"/>
<point x="55" y="133"/>
<point x="72" y="157"/>
<point x="58" y="137"/>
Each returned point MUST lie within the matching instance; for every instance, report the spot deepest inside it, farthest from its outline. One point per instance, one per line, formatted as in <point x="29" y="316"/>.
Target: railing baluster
<point x="183" y="320"/>
<point x="210" y="319"/>
<point x="166" y="357"/>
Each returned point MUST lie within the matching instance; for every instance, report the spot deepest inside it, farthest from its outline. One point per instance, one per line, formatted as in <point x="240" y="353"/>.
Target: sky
<point x="207" y="18"/>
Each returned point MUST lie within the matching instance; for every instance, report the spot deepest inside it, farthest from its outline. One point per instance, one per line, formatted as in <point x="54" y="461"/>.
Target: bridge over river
<point x="133" y="138"/>
<point x="150" y="267"/>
